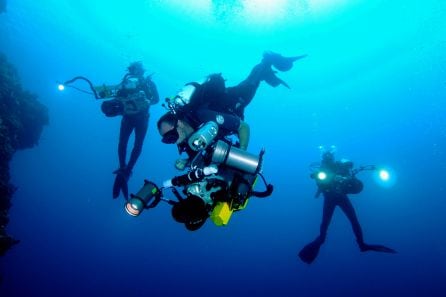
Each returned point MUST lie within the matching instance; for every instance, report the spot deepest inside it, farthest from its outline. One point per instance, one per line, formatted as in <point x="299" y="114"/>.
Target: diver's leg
<point x="124" y="135"/>
<point x="349" y="211"/>
<point x="327" y="214"/>
<point x="141" y="125"/>
<point x="310" y="251"/>
<point x="244" y="92"/>
<point x="120" y="183"/>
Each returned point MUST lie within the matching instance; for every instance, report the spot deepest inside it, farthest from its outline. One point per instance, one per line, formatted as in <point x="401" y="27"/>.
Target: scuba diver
<point x="134" y="96"/>
<point x="220" y="176"/>
<point x="206" y="122"/>
<point x="131" y="99"/>
<point x="336" y="179"/>
<point x="213" y="95"/>
<point x="200" y="102"/>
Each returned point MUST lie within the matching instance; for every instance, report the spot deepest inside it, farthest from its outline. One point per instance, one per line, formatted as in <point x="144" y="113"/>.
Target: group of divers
<point x="206" y="121"/>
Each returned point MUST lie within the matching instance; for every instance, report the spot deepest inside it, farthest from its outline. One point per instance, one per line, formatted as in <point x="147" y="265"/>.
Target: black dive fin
<point x="125" y="189"/>
<point x="309" y="253"/>
<point x="376" y="248"/>
<point x="280" y="62"/>
<point x="117" y="185"/>
<point x="285" y="64"/>
<point x="271" y="79"/>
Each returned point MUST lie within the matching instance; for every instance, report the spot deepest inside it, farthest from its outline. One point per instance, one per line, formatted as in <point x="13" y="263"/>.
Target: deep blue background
<point x="373" y="84"/>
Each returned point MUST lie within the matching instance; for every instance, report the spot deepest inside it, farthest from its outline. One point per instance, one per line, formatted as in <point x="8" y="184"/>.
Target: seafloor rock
<point x="22" y="118"/>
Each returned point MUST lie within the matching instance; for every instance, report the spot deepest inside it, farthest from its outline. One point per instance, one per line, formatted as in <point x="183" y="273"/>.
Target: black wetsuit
<point x="331" y="200"/>
<point x="335" y="194"/>
<point x="234" y="99"/>
<point x="340" y="181"/>
<point x="129" y="123"/>
<point x="137" y="122"/>
<point x="135" y="118"/>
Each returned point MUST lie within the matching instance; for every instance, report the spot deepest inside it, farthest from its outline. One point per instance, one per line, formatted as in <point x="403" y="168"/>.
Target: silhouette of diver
<point x="338" y="181"/>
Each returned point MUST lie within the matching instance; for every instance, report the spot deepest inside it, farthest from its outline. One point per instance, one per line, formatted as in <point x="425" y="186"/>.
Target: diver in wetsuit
<point x="132" y="100"/>
<point x="212" y="103"/>
<point x="215" y="96"/>
<point x="212" y="98"/>
<point x="336" y="179"/>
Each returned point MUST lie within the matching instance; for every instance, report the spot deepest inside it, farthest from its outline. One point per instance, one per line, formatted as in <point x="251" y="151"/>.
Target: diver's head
<point x="173" y="130"/>
<point x="328" y="158"/>
<point x="191" y="212"/>
<point x="327" y="154"/>
<point x="136" y="68"/>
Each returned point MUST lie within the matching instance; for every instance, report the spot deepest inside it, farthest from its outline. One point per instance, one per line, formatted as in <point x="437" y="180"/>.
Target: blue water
<point x="373" y="84"/>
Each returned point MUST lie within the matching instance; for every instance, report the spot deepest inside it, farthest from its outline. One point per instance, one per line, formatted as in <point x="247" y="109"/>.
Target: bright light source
<point x="321" y="175"/>
<point x="384" y="175"/>
<point x="61" y="87"/>
<point x="265" y="10"/>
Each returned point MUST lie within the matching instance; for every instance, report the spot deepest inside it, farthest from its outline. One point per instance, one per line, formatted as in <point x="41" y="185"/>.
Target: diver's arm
<point x="243" y="135"/>
<point x="152" y="95"/>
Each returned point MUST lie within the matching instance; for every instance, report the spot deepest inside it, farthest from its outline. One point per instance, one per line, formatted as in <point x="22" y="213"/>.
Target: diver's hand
<point x="167" y="183"/>
<point x="180" y="164"/>
<point x="212" y="169"/>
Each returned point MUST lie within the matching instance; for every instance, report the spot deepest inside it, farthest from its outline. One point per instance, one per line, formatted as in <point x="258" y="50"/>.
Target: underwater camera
<point x="137" y="203"/>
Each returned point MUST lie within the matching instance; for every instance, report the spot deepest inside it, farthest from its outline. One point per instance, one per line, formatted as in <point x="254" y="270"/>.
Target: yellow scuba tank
<point x="239" y="197"/>
<point x="221" y="213"/>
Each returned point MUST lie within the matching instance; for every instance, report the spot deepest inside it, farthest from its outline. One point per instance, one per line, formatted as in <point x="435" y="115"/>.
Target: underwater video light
<point x="384" y="175"/>
<point x="149" y="193"/>
<point x="321" y="175"/>
<point x="61" y="87"/>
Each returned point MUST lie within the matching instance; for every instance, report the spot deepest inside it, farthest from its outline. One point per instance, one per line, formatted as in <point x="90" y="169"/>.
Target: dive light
<point x="384" y="175"/>
<point x="137" y="203"/>
<point x="62" y="86"/>
<point x="321" y="176"/>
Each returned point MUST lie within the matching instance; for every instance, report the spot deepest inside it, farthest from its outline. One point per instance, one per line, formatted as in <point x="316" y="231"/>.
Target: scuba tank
<point x="183" y="97"/>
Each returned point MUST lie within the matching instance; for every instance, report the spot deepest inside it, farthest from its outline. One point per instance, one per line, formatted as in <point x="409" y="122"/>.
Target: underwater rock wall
<point x="22" y="118"/>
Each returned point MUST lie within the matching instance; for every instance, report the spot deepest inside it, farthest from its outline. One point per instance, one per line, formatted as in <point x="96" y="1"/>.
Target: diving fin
<point x="120" y="184"/>
<point x="309" y="252"/>
<point x="280" y="62"/>
<point x="364" y="247"/>
<point x="271" y="79"/>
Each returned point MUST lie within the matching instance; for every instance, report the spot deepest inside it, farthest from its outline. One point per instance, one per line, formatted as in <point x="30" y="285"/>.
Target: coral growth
<point x="22" y="118"/>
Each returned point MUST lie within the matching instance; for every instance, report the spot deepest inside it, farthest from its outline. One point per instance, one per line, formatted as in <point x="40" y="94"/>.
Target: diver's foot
<point x="124" y="172"/>
<point x="309" y="252"/>
<point x="269" y="76"/>
<point x="364" y="247"/>
<point x="280" y="62"/>
<point x="120" y="183"/>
